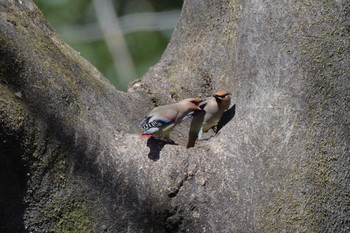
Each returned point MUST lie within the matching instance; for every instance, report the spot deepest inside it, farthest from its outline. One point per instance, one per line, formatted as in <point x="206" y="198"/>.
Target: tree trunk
<point x="72" y="159"/>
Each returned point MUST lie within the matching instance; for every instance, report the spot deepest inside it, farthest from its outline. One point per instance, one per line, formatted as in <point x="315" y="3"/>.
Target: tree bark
<point x="72" y="159"/>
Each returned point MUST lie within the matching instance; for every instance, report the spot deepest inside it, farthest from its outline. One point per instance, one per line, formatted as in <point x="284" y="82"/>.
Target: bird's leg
<point x="165" y="136"/>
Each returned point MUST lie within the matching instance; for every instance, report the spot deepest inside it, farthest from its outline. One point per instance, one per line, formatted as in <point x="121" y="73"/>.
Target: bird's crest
<point x="222" y="93"/>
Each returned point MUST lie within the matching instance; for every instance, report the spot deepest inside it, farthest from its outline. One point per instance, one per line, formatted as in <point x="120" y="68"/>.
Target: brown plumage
<point x="161" y="120"/>
<point x="214" y="107"/>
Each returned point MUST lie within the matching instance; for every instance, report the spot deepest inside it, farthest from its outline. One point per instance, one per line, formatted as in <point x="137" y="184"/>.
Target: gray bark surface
<point x="71" y="158"/>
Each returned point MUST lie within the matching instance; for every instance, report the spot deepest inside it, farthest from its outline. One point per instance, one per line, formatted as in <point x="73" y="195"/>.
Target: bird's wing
<point x="205" y="101"/>
<point x="188" y="116"/>
<point x="192" y="114"/>
<point x="155" y="122"/>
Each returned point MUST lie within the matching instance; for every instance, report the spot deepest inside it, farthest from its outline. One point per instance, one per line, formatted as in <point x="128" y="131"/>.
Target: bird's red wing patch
<point x="169" y="118"/>
<point x="146" y="135"/>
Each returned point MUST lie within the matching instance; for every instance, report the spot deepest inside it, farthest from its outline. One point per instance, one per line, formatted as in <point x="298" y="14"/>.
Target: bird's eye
<point x="223" y="96"/>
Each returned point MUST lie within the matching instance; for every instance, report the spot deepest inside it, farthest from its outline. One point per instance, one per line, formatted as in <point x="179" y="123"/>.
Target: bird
<point x="213" y="108"/>
<point x="161" y="120"/>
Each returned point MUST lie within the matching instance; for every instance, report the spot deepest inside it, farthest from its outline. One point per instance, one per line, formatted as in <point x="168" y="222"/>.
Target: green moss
<point x="154" y="99"/>
<point x="76" y="220"/>
<point x="173" y="94"/>
<point x="14" y="111"/>
<point x="67" y="215"/>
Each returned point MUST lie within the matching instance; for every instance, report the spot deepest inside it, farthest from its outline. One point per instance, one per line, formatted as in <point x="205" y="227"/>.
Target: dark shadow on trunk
<point x="13" y="180"/>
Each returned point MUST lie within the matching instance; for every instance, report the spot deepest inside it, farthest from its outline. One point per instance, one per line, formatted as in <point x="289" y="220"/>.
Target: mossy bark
<point x="71" y="158"/>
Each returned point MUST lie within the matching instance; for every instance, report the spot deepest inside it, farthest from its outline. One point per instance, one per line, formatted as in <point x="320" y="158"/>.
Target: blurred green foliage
<point x="145" y="47"/>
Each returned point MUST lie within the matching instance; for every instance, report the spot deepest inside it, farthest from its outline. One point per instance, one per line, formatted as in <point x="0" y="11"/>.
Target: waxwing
<point x="161" y="120"/>
<point x="214" y="107"/>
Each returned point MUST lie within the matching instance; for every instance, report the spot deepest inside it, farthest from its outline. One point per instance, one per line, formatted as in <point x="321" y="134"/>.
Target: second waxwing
<point x="161" y="120"/>
<point x="214" y="107"/>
